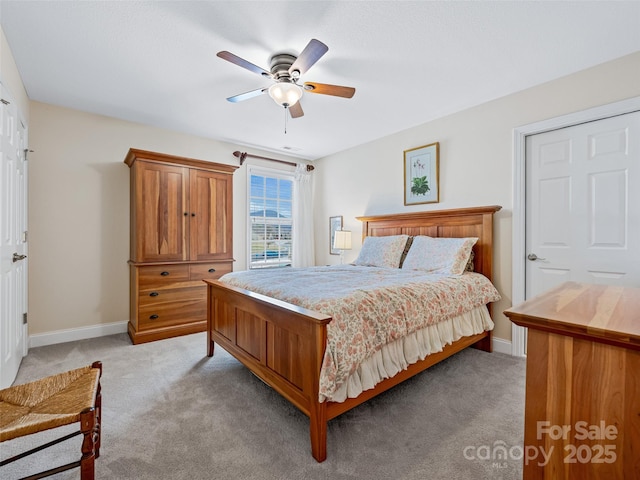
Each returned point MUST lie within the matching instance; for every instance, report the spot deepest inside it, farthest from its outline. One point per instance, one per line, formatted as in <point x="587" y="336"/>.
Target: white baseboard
<point x="501" y="346"/>
<point x="73" y="334"/>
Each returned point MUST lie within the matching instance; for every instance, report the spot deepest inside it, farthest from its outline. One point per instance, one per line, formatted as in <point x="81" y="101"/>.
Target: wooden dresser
<point x="582" y="410"/>
<point x="181" y="233"/>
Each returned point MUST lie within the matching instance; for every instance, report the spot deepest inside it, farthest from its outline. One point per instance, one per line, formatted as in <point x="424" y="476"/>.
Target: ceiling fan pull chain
<point x="285" y="120"/>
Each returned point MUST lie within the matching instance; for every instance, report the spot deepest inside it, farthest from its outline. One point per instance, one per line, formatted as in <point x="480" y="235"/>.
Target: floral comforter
<point x="370" y="306"/>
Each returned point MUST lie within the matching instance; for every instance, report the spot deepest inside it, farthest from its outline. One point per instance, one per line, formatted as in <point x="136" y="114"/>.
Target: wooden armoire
<point x="181" y="233"/>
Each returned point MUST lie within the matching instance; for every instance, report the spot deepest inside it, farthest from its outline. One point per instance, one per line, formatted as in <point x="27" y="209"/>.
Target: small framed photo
<point x="335" y="224"/>
<point x="421" y="170"/>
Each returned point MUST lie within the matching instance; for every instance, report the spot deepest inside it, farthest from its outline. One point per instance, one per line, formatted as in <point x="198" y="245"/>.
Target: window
<point x="270" y="218"/>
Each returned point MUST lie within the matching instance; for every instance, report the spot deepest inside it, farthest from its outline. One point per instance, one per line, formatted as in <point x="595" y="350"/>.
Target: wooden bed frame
<point x="284" y="344"/>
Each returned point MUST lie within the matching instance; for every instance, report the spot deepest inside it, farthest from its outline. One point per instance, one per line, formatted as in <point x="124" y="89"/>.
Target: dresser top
<point x="604" y="313"/>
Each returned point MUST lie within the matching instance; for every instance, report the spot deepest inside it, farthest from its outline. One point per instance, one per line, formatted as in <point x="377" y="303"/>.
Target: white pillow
<point x="382" y="251"/>
<point x="439" y="255"/>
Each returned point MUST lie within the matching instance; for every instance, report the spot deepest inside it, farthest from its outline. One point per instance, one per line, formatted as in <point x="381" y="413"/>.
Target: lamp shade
<point x="285" y="94"/>
<point x="342" y="240"/>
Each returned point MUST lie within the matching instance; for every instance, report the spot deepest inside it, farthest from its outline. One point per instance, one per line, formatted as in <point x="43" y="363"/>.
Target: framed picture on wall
<point x="421" y="170"/>
<point x="335" y="224"/>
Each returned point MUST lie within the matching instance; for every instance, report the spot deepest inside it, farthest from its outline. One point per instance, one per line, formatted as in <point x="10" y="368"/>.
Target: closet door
<point x="583" y="204"/>
<point x="161" y="213"/>
<point x="210" y="216"/>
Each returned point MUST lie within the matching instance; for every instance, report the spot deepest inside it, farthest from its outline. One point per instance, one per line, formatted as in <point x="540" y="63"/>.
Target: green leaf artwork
<point x="420" y="186"/>
<point x="421" y="175"/>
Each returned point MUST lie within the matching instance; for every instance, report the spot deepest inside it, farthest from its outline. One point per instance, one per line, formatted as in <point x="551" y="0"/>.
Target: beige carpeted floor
<point x="170" y="412"/>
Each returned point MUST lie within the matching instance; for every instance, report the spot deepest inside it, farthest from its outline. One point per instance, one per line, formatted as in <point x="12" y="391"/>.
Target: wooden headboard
<point x="459" y="222"/>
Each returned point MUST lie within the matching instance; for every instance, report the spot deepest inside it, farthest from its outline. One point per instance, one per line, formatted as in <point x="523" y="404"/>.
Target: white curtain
<point x="303" y="250"/>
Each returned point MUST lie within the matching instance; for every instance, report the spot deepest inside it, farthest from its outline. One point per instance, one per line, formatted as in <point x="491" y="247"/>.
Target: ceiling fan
<point x="286" y="70"/>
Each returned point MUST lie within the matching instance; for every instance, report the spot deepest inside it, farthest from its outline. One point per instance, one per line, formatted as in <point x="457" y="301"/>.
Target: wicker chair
<point x="52" y="402"/>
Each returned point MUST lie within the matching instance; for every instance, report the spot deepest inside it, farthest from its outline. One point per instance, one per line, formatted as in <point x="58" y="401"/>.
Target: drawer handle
<point x="153" y="317"/>
<point x="164" y="274"/>
<point x="211" y="270"/>
<point x="154" y="294"/>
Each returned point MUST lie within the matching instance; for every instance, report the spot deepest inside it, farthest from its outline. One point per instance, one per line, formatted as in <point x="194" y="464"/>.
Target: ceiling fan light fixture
<point x="285" y="94"/>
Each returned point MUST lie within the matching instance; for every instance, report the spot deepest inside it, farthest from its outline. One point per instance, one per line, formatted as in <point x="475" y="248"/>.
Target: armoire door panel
<point x="161" y="208"/>
<point x="210" y="227"/>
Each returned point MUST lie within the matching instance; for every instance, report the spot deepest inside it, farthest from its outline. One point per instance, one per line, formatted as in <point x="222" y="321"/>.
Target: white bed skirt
<point x="398" y="355"/>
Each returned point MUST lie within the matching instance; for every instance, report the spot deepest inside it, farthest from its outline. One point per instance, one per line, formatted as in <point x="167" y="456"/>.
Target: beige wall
<point x="79" y="212"/>
<point x="475" y="162"/>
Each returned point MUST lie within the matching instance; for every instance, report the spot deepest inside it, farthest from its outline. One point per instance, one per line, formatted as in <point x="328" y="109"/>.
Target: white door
<point x="13" y="239"/>
<point x="583" y="204"/>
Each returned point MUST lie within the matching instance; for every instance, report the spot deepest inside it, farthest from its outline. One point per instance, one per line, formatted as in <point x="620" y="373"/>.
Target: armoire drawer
<point x="161" y="297"/>
<point x="209" y="271"/>
<point x="172" y="307"/>
<point x="155" y="275"/>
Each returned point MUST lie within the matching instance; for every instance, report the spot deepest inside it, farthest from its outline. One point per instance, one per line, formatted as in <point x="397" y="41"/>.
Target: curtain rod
<point x="243" y="156"/>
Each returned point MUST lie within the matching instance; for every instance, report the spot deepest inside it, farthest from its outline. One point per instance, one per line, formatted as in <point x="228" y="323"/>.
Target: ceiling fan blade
<point x="247" y="95"/>
<point x="296" y="110"/>
<point x="325" y="89"/>
<point x="310" y="55"/>
<point x="241" y="62"/>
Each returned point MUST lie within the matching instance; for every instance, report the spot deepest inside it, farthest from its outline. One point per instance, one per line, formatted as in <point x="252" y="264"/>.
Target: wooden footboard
<point x="284" y="344"/>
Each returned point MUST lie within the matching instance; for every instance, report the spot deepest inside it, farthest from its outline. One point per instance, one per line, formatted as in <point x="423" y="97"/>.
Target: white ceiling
<point x="154" y="62"/>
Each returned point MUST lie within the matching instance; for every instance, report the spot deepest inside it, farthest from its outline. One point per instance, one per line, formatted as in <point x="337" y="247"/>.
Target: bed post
<point x="317" y="410"/>
<point x="210" y="313"/>
<point x="318" y="430"/>
<point x="486" y="344"/>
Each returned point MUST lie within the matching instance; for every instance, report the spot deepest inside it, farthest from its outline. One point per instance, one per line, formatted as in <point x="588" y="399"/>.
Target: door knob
<point x="533" y="257"/>
<point x="17" y="258"/>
